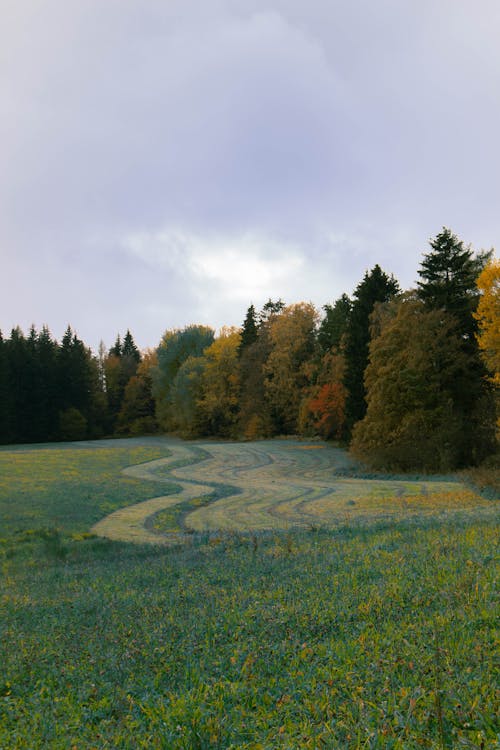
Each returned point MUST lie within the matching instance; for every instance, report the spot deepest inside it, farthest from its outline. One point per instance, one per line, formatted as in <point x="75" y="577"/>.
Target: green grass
<point x="367" y="635"/>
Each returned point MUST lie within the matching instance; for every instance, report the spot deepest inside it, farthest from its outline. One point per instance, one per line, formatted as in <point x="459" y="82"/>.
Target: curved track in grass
<point x="273" y="485"/>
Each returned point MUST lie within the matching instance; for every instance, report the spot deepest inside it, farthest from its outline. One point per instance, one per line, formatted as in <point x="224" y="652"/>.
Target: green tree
<point x="376" y="286"/>
<point x="448" y="279"/>
<point x="334" y="325"/>
<point x="120" y="365"/>
<point x="175" y="348"/>
<point x="44" y="411"/>
<point x="249" y="330"/>
<point x="413" y="422"/>
<point x="20" y="380"/>
<point x="448" y="276"/>
<point x="271" y="309"/>
<point x="5" y="433"/>
<point x="78" y="384"/>
<point x="254" y="414"/>
<point x="137" y="412"/>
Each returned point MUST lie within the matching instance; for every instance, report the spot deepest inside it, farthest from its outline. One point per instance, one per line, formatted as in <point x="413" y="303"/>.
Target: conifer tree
<point x="448" y="279"/>
<point x="249" y="330"/>
<point x="5" y="435"/>
<point x="448" y="282"/>
<point x="334" y="325"/>
<point x="376" y="286"/>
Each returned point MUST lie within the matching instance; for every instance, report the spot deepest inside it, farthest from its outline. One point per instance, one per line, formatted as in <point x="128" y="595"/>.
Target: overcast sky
<point x="169" y="162"/>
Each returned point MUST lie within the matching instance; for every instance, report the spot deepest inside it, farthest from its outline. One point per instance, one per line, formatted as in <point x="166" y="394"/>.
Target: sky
<point x="169" y="162"/>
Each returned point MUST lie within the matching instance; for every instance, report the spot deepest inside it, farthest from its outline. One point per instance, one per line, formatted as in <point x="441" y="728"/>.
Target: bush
<point x="72" y="424"/>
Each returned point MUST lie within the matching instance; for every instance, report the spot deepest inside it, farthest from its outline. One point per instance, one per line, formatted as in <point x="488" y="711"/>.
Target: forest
<point x="407" y="378"/>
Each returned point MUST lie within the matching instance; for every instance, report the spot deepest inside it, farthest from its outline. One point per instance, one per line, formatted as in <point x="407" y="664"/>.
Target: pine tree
<point x="376" y="286"/>
<point x="269" y="309"/>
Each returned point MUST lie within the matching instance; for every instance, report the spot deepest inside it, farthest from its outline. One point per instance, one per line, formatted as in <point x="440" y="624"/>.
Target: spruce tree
<point x="448" y="279"/>
<point x="19" y="380"/>
<point x="249" y="330"/>
<point x="376" y="286"/>
<point x="129" y="349"/>
<point x="334" y="325"/>
<point x="5" y="435"/>
<point x="448" y="282"/>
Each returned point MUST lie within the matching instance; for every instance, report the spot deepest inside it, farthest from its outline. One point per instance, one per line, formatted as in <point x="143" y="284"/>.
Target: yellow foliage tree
<point x="488" y="317"/>
<point x="217" y="405"/>
<point x="287" y="370"/>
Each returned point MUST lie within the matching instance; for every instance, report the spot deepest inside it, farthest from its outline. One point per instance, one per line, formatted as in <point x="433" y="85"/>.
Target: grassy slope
<point x="363" y="637"/>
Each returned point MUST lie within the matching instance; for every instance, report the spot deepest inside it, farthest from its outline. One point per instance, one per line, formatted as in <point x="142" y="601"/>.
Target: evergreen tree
<point x="249" y="330"/>
<point x="376" y="286"/>
<point x="79" y="389"/>
<point x="129" y="349"/>
<point x="269" y="309"/>
<point x="448" y="279"/>
<point x="45" y="417"/>
<point x="120" y="366"/>
<point x="413" y="422"/>
<point x="334" y="325"/>
<point x="5" y="434"/>
<point x="254" y="417"/>
<point x="116" y="349"/>
<point x="19" y="383"/>
<point x="448" y="282"/>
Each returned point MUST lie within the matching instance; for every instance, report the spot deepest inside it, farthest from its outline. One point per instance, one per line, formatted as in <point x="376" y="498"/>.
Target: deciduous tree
<point x="287" y="369"/>
<point x="220" y="385"/>
<point x="488" y="318"/>
<point x="175" y="348"/>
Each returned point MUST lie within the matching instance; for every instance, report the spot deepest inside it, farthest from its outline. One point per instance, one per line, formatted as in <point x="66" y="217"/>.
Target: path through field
<point x="272" y="485"/>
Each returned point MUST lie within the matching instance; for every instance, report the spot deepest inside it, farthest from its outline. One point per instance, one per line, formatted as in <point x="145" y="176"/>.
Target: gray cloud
<point x="165" y="163"/>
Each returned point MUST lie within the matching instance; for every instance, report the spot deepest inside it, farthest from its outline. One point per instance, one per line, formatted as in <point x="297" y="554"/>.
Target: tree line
<point x="409" y="379"/>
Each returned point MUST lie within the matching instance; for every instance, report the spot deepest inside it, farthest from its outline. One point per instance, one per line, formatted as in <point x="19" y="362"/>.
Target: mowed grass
<point x="71" y="486"/>
<point x="378" y="635"/>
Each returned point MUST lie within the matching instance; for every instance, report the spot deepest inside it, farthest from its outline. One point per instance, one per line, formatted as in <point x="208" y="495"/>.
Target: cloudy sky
<point x="166" y="162"/>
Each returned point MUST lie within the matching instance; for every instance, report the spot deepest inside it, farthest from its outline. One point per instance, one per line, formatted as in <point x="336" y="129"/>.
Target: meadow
<point x="287" y="600"/>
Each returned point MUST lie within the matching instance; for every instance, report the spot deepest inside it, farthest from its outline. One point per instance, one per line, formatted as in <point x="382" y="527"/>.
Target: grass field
<point x="309" y="608"/>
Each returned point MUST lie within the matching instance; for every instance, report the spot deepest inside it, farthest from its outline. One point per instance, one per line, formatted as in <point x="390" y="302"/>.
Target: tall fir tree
<point x="249" y="330"/>
<point x="448" y="279"/>
<point x="376" y="286"/>
<point x="19" y="382"/>
<point x="120" y="365"/>
<point x="5" y="432"/>
<point x="334" y="324"/>
<point x="448" y="282"/>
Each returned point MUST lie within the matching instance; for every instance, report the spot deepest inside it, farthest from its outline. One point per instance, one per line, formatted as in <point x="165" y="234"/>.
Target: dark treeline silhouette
<point x="52" y="391"/>
<point x="396" y="375"/>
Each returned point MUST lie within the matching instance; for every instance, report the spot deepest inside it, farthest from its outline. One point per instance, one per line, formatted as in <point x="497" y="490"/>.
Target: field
<point x="286" y="600"/>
